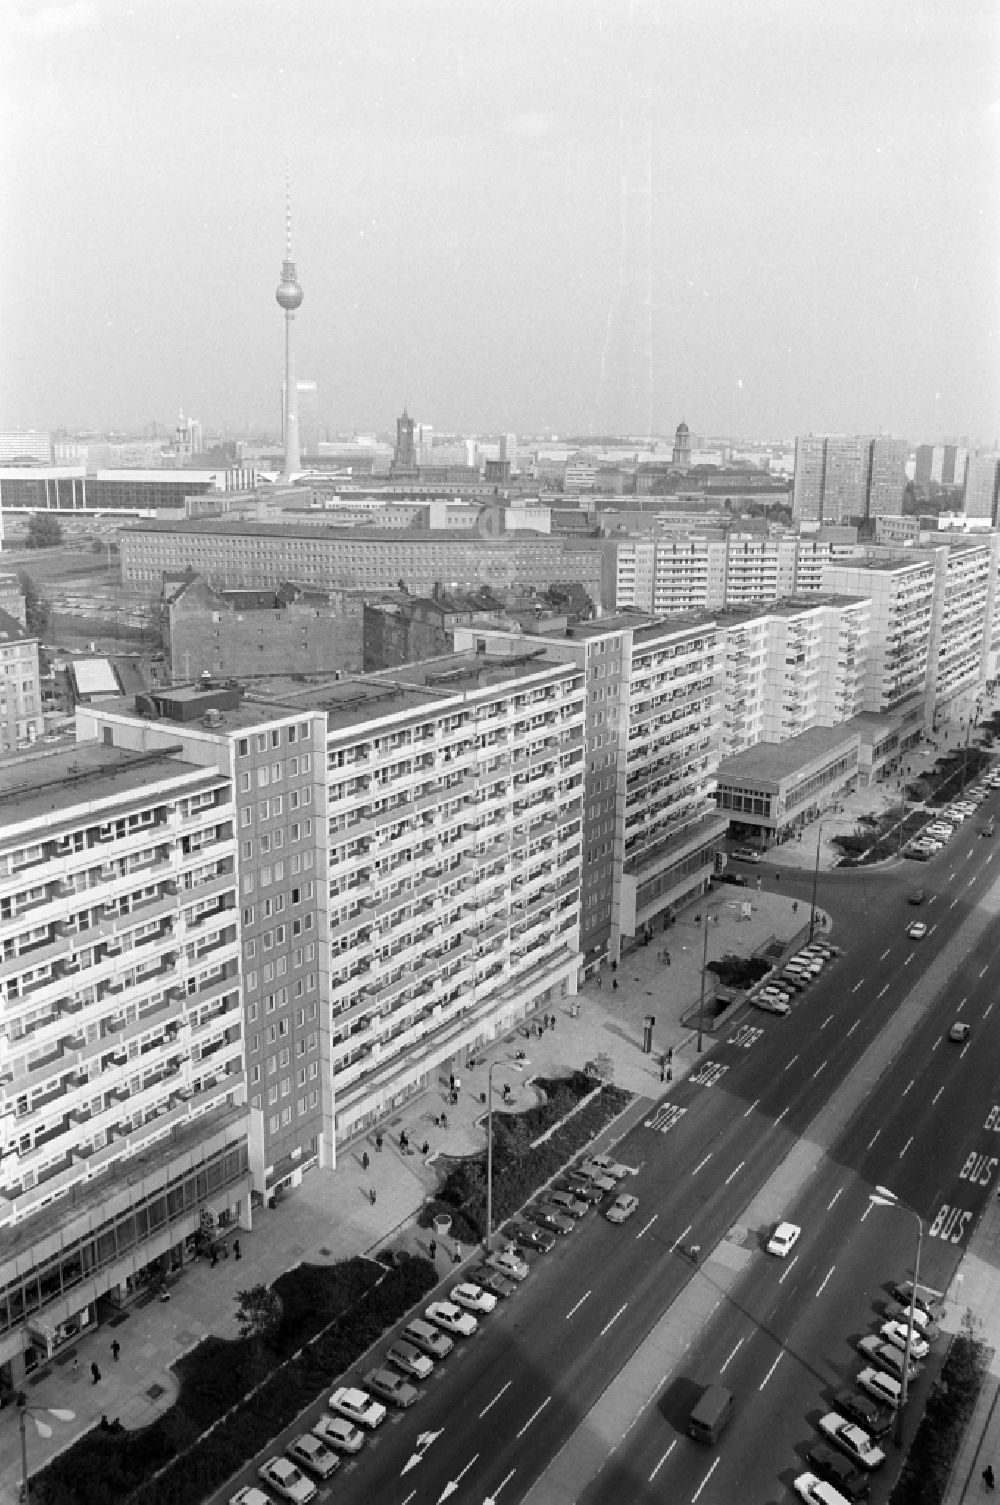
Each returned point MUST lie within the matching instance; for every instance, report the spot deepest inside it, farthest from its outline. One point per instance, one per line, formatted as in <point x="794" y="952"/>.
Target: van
<point x="710" y="1416"/>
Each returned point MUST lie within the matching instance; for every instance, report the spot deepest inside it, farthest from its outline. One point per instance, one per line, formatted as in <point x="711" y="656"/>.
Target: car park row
<point x="939" y="831"/>
<point x="779" y="991"/>
<point x="356" y="1410"/>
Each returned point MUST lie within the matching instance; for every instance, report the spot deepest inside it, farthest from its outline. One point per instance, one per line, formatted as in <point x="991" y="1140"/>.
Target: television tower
<point x="289" y="296"/>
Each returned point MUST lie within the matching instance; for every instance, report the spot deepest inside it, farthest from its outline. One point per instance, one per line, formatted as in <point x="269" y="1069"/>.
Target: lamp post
<point x="489" y="1156"/>
<point x="883" y="1197"/>
<point x="812" y="907"/>
<point x="42" y="1427"/>
<point x="709" y="916"/>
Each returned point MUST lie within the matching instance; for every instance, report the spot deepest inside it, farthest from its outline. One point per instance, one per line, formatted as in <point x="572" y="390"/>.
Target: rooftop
<point x="770" y="762"/>
<point x="36" y="785"/>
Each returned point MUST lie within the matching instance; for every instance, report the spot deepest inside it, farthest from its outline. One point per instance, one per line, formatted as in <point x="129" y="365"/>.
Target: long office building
<point x="122" y="1082"/>
<point x="260" y="556"/>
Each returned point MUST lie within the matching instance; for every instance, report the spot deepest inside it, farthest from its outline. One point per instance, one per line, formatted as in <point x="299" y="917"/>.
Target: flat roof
<point x="770" y="762"/>
<point x="33" y="786"/>
<point x="226" y="527"/>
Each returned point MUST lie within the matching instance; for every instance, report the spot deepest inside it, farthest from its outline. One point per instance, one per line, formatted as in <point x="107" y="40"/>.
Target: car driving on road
<point x="783" y="1239"/>
<point x="622" y="1207"/>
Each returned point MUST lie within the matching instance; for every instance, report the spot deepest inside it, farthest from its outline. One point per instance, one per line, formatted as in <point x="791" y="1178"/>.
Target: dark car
<point x="876" y="1419"/>
<point x="492" y="1280"/>
<point x="581" y="1187"/>
<point x="530" y="1236"/>
<point x="917" y="897"/>
<point x="737" y="878"/>
<point x="838" y="1471"/>
<point x="550" y="1217"/>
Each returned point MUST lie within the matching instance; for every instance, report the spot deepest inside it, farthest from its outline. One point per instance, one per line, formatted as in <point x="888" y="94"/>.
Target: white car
<point x="881" y="1387"/>
<point x="745" y="854"/>
<point x="451" y="1317"/>
<point x="473" y="1298"/>
<point x="608" y="1167"/>
<point x="622" y="1207"/>
<point x="337" y="1432"/>
<point x="508" y="1264"/>
<point x="287" y="1480"/>
<point x="815" y="1491"/>
<point x="308" y="1452"/>
<point x="852" y="1440"/>
<point x="250" y="1495"/>
<point x="771" y="1004"/>
<point x="895" y="1333"/>
<point x="783" y="1239"/>
<point x="358" y="1406"/>
<point x="917" y="930"/>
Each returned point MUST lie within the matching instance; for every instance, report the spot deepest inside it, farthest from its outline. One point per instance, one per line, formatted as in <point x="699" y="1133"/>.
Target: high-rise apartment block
<point x="901" y="596"/>
<point x="122" y="1071"/>
<point x="843" y="476"/>
<point x="886" y="476"/>
<point x="982" y="486"/>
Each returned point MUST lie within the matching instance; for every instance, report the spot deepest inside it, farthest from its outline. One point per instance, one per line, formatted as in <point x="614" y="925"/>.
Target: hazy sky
<point x="762" y="216"/>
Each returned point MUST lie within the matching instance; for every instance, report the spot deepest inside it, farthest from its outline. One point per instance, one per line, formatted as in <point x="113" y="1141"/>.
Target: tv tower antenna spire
<point x="289" y="296"/>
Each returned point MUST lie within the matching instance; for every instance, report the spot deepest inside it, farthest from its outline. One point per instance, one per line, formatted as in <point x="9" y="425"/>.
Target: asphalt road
<point x="500" y="1408"/>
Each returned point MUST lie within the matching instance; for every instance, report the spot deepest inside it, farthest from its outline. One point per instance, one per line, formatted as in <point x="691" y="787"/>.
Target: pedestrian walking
<point x="371" y="1196"/>
<point x="666" y="957"/>
<point x="225" y="1251"/>
<point x="614" y="985"/>
<point x="378" y="1144"/>
<point x="989" y="1478"/>
<point x="215" y="1256"/>
<point x="116" y="1349"/>
<point x="663" y="1073"/>
<point x="76" y="1368"/>
<point x="670" y="1054"/>
<point x="425" y="1148"/>
<point x="432" y="1248"/>
<point x="236" y="1248"/>
<point x="600" y="980"/>
<point x="456" y="1257"/>
<point x="365" y="1162"/>
<point x="95" y="1373"/>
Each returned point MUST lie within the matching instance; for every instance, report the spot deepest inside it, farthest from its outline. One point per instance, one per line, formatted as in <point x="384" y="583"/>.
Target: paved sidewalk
<point x="976" y="1288"/>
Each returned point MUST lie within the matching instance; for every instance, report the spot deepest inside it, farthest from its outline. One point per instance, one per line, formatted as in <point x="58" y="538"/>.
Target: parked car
<point x="308" y="1452"/>
<point x="580" y="1186"/>
<point x="550" y="1217"/>
<point x="608" y="1167"/>
<point x="357" y="1406"/>
<point x="852" y="1440"/>
<point x="509" y="1265"/>
<point x="492" y="1281"/>
<point x="594" y="1173"/>
<point x="250" y="1495"/>
<point x="473" y="1298"/>
<point x="884" y="1388"/>
<point x="771" y="1003"/>
<point x="337" y="1432"/>
<point x="451" y="1318"/>
<point x="428" y="1338"/>
<point x="896" y="1332"/>
<point x="895" y="1311"/>
<point x="574" y="1207"/>
<point x="408" y="1359"/>
<point x="927" y="1300"/>
<point x="532" y="1236"/>
<point x="737" y="878"/>
<point x="861" y="1409"/>
<point x="746" y="854"/>
<point x="390" y="1386"/>
<point x="847" y="1479"/>
<point x="281" y="1475"/>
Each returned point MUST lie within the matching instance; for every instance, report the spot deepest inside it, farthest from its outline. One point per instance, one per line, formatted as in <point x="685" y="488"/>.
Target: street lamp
<point x="883" y="1197"/>
<point x="709" y="916"/>
<point x="489" y="1155"/>
<point x="42" y="1427"/>
<point x="812" y="908"/>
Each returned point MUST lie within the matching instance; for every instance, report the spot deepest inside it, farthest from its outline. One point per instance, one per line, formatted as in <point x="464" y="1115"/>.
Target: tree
<point x="258" y="1317"/>
<point x="36" y="608"/>
<point x="44" y="531"/>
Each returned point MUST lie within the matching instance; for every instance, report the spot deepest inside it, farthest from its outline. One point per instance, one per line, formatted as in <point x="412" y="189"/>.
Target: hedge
<point x="934" y="1451"/>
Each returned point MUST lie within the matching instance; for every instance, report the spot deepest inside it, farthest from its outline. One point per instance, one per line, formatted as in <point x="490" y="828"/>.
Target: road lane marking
<point x="953" y="904"/>
<point x="769" y="1373"/>
<point x="663" y="1460"/>
<point x="829" y="1205"/>
<point x="609" y="1325"/>
<point x="826" y="1277"/>
<point x="907" y="1087"/>
<point x="500" y="1486"/>
<point x="873" y="1138"/>
<point x="576" y="1308"/>
<point x="819" y="1068"/>
<point x="680" y="1237"/>
<point x="984" y="971"/>
<point x="788" y="1269"/>
<point x="792" y="1061"/>
<point x="987" y="1009"/>
<point x="858" y="985"/>
<point x="908" y="960"/>
<point x="751" y="1107"/>
<point x="964" y="1049"/>
<point x="734" y="1173"/>
<point x="781" y="1114"/>
<point x="826" y="1021"/>
<point x="739" y="1345"/>
<point x="906" y="1147"/>
<point x="936" y="1096"/>
<point x="648" y="1225"/>
<point x="885" y="954"/>
<point x="853" y="1027"/>
<point x="527" y="1424"/>
<point x="704" y="1481"/>
<point x="497" y="1396"/>
<point x="883" y="992"/>
<point x="701" y="1163"/>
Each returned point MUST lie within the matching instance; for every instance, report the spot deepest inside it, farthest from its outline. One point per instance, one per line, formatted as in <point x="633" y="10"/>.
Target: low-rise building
<point x="771" y="791"/>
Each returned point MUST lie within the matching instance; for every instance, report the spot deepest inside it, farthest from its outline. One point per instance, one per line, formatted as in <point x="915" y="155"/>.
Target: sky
<point x="548" y="216"/>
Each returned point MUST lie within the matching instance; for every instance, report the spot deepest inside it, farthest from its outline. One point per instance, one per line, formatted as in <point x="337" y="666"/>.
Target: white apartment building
<point x="982" y="486"/>
<point x="122" y="1078"/>
<point x="901" y="593"/>
<point x="965" y="587"/>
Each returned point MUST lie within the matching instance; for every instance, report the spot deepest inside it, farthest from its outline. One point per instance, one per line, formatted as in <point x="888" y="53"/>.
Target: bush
<point x="739" y="971"/>
<point x="952" y="1400"/>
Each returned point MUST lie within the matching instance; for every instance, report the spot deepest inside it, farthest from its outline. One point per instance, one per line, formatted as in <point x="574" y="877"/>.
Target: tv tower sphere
<point x="289" y="294"/>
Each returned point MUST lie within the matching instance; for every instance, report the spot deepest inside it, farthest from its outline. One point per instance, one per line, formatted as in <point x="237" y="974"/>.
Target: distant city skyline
<point x="763" y="219"/>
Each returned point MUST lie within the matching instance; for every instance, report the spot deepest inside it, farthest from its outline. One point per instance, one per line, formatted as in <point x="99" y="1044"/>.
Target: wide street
<point x="798" y="1117"/>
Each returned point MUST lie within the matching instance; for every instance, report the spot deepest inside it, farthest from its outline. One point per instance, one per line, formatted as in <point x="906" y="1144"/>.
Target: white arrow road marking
<point x="453" y="1484"/>
<point x="493" y="1402"/>
<point x="424" y="1441"/>
<point x="532" y="1417"/>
